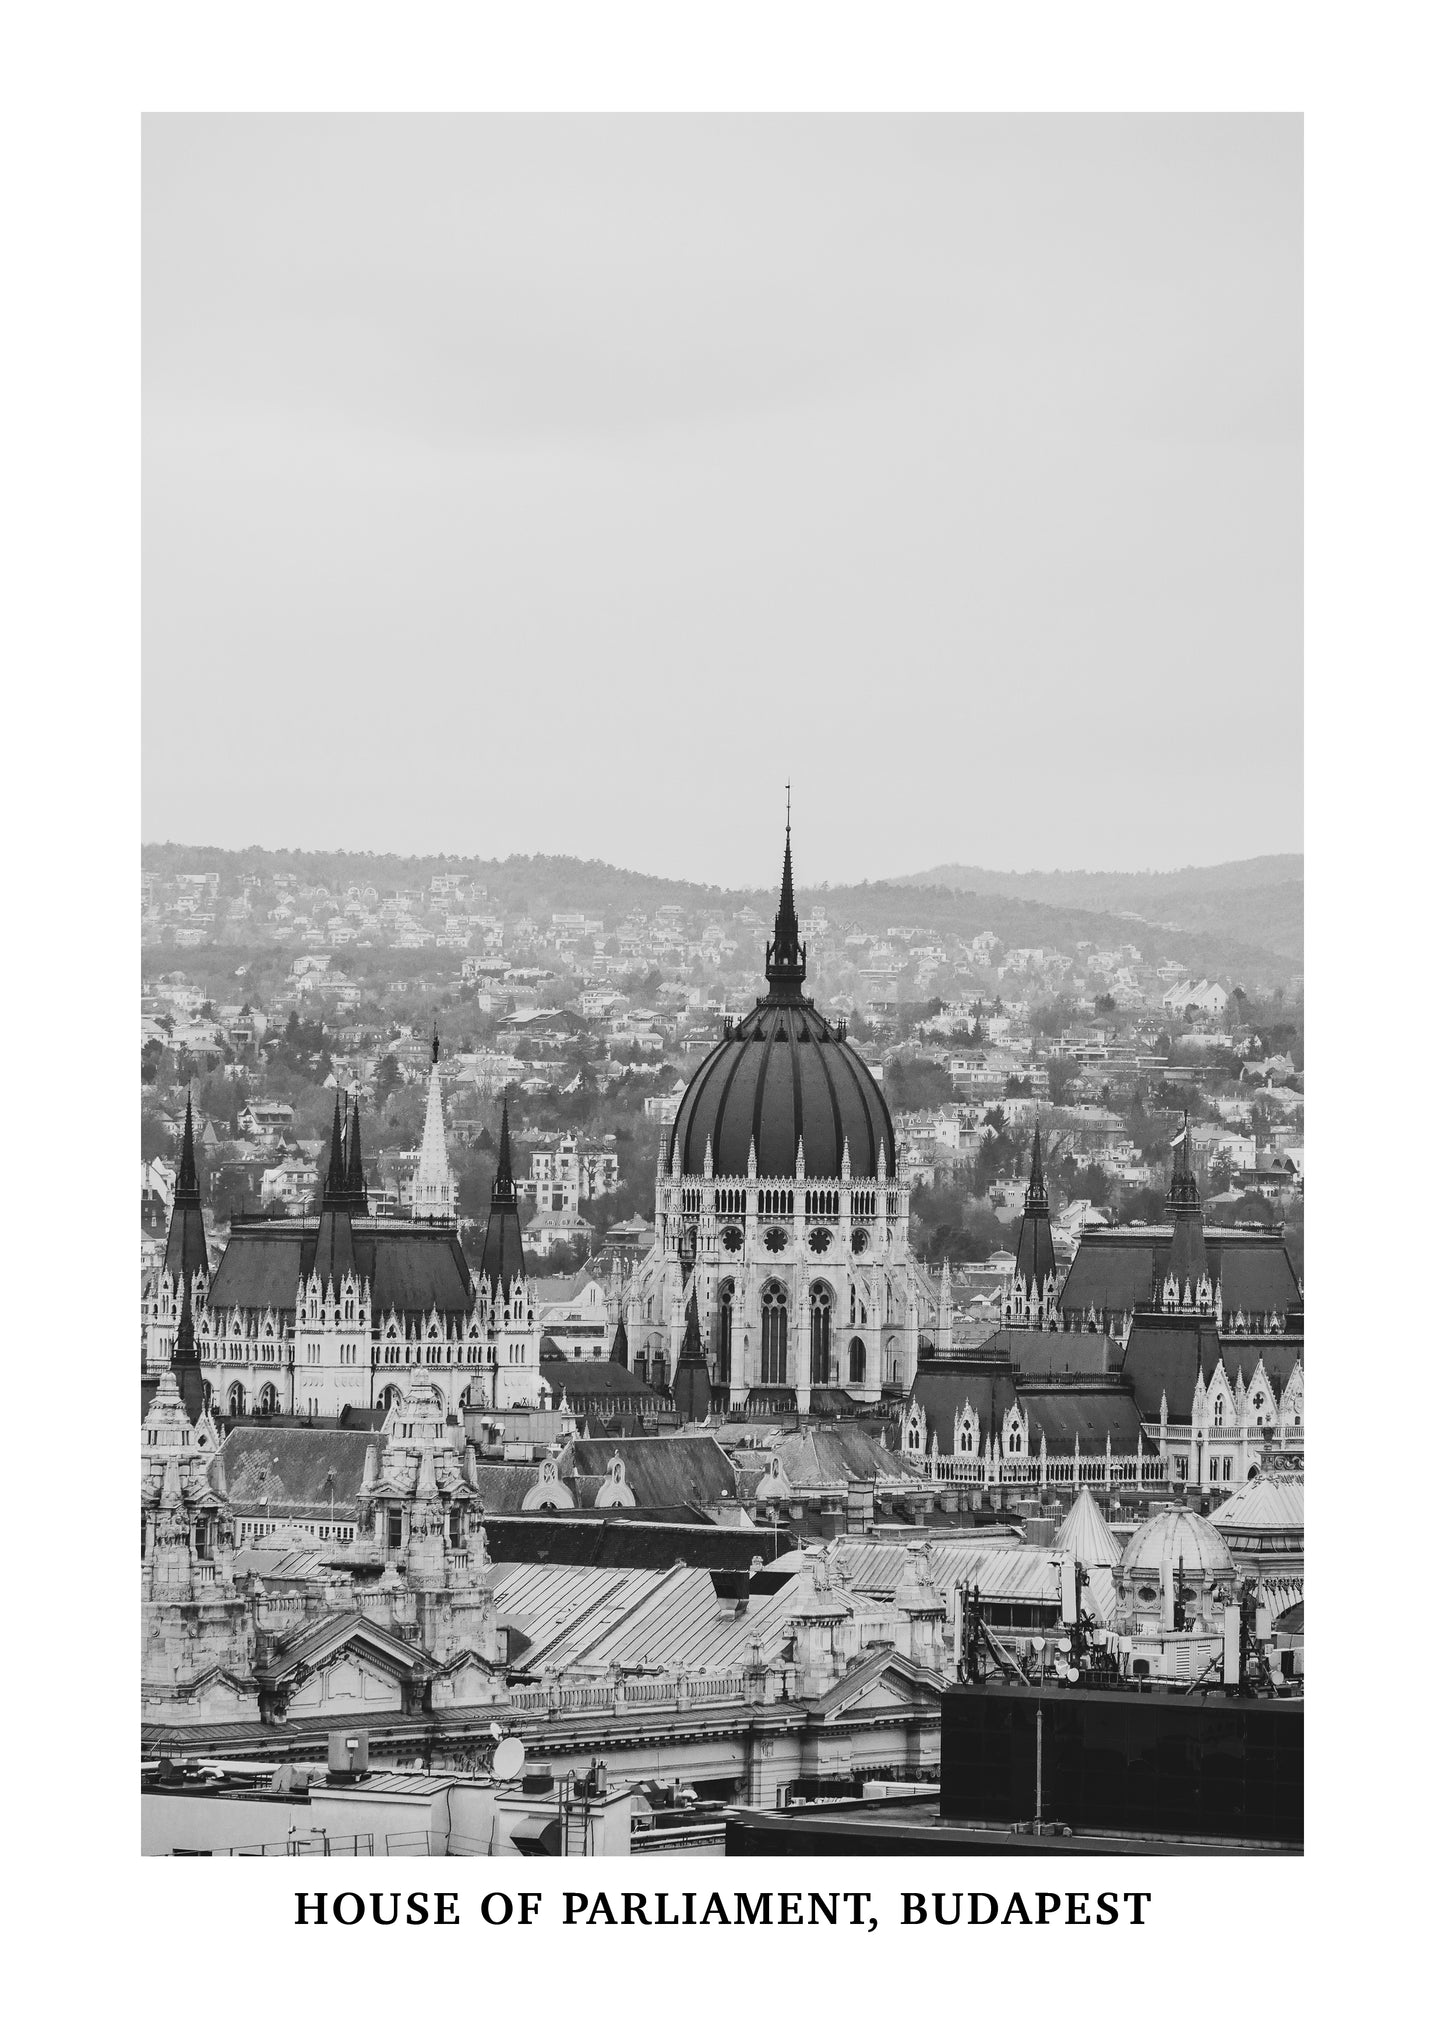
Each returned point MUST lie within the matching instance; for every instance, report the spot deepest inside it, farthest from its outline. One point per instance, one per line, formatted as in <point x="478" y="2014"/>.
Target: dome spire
<point x="787" y="955"/>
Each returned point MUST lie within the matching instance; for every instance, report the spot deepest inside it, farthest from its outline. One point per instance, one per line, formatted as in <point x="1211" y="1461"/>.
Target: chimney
<point x="860" y="1507"/>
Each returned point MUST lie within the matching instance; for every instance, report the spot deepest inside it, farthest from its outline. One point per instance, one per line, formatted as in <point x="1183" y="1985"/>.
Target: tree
<point x="917" y="1083"/>
<point x="1104" y="1004"/>
<point x="1064" y="1074"/>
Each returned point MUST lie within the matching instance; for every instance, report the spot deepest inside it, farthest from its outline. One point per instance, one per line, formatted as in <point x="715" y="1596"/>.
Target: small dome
<point x="1268" y="1503"/>
<point x="1176" y="1535"/>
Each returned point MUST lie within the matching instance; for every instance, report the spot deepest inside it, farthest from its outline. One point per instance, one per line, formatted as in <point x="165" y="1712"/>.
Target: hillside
<point x="1060" y="910"/>
<point x="1258" y="903"/>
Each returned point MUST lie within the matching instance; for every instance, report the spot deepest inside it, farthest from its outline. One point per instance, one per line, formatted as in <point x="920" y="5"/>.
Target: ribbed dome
<point x="783" y="1075"/>
<point x="1177" y="1535"/>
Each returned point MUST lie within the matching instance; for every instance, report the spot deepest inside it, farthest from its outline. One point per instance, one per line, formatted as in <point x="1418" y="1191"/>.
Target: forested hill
<point x="543" y="885"/>
<point x="1257" y="902"/>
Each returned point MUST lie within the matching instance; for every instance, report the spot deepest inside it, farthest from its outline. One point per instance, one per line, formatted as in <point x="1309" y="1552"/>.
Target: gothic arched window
<point x="857" y="1360"/>
<point x="1219" y="1410"/>
<point x="725" y="1295"/>
<point x="268" y="1401"/>
<point x="820" y="1345"/>
<point x="236" y="1400"/>
<point x="774" y="1333"/>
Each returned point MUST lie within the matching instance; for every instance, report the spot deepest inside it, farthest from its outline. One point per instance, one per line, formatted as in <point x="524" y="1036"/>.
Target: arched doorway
<point x="725" y="1296"/>
<point x="820" y="1332"/>
<point x="774" y="1333"/>
<point x="857" y="1360"/>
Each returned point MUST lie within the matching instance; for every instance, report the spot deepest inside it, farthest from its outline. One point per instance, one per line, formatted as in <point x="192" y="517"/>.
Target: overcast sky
<point x="567" y="484"/>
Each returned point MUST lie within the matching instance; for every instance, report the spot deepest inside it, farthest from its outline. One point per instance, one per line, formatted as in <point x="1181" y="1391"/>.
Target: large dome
<point x="781" y="1076"/>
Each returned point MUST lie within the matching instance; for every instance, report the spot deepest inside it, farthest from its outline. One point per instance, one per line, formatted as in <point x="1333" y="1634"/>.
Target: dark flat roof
<point x="915" y="1829"/>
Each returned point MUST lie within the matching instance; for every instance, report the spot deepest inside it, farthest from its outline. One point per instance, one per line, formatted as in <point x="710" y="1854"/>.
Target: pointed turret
<point x="787" y="955"/>
<point x="619" y="1357"/>
<point x="503" y="1261"/>
<point x="691" y="1388"/>
<point x="1187" y="1262"/>
<point x="186" y="1361"/>
<point x="434" y="1191"/>
<point x="186" y="1236"/>
<point x="1034" y="1261"/>
<point x="355" y="1174"/>
<point x="335" y="1257"/>
<point x="333" y="1189"/>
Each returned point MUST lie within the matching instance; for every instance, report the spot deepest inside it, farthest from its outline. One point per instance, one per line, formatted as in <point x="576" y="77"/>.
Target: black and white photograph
<point x="722" y="1078"/>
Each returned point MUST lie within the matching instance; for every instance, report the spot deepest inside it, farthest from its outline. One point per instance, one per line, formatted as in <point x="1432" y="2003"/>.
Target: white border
<point x="1313" y="1943"/>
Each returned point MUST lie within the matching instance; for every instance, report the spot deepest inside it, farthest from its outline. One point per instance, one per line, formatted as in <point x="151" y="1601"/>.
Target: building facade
<point x="309" y="1315"/>
<point x="780" y="1216"/>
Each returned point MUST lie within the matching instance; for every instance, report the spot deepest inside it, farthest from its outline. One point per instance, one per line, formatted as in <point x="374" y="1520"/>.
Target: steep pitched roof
<point x="663" y="1469"/>
<point x="296" y="1469"/>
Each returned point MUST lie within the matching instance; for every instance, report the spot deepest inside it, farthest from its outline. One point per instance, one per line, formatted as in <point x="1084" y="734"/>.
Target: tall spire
<point x="333" y="1191"/>
<point x="186" y="1236"/>
<point x="1184" y="1186"/>
<point x="185" y="1361"/>
<point x="503" y="1257"/>
<point x="787" y="955"/>
<point x="434" y="1190"/>
<point x="355" y="1175"/>
<point x="1036" y="1199"/>
<point x="503" y="1186"/>
<point x="1188" y="1258"/>
<point x="188" y="1184"/>
<point x="1034" y="1258"/>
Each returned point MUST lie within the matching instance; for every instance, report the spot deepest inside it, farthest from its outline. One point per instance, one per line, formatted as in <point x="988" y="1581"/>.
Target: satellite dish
<point x="509" y="1760"/>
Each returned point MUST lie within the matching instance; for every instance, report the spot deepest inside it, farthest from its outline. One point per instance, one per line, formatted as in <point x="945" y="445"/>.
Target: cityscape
<point x="723" y="1276"/>
<point x="680" y="1342"/>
